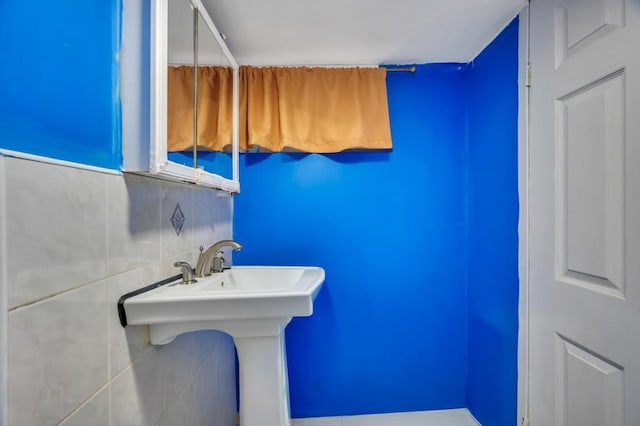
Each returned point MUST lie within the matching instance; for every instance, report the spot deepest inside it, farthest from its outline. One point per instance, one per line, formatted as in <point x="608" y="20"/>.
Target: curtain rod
<point x="412" y="68"/>
<point x="406" y="69"/>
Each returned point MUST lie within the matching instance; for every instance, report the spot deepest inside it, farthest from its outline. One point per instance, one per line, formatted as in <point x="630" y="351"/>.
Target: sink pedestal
<point x="264" y="381"/>
<point x="264" y="384"/>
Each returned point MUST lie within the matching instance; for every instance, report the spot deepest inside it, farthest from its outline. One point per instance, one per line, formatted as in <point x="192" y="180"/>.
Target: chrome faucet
<point x="187" y="272"/>
<point x="209" y="261"/>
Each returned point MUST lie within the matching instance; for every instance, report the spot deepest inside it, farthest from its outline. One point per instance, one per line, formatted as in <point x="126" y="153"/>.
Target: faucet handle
<point x="218" y="262"/>
<point x="187" y="272"/>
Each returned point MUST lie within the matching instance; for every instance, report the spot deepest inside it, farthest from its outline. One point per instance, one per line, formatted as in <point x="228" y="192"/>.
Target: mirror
<point x="180" y="81"/>
<point x="192" y="46"/>
<point x="200" y="79"/>
<point x="215" y="103"/>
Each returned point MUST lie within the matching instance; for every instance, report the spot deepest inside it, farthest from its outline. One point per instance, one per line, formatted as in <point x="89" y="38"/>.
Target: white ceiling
<point x="359" y="32"/>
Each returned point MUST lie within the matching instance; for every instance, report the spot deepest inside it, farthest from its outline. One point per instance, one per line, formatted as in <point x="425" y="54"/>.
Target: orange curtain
<point x="308" y="109"/>
<point x="215" y="108"/>
<point x="179" y="108"/>
<point x="304" y="109"/>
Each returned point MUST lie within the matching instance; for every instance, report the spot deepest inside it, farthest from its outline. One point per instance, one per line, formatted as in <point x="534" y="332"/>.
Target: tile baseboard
<point x="455" y="417"/>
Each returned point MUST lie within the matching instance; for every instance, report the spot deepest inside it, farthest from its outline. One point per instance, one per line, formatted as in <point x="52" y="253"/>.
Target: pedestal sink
<point x="251" y="303"/>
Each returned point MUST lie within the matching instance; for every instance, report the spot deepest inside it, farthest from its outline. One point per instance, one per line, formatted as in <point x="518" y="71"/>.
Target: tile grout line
<point x="184" y="389"/>
<point x="107" y="229"/>
<point x="121" y="372"/>
<point x="107" y="191"/>
<point x="83" y="403"/>
<point x="110" y="402"/>
<point x="92" y="282"/>
<point x="108" y="334"/>
<point x="54" y="295"/>
<point x="4" y="313"/>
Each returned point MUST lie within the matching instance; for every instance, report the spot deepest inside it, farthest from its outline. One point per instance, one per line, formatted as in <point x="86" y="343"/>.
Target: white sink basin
<point x="251" y="303"/>
<point x="240" y="293"/>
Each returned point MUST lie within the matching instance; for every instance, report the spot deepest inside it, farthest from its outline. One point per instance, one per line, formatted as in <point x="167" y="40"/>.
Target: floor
<point x="457" y="417"/>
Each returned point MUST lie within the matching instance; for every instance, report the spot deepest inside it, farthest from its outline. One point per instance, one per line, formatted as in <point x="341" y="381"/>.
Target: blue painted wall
<point x="389" y="328"/>
<point x="59" y="96"/>
<point x="493" y="231"/>
<point x="220" y="163"/>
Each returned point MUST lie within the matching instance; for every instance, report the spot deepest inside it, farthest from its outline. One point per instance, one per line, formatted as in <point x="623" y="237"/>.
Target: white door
<point x="585" y="213"/>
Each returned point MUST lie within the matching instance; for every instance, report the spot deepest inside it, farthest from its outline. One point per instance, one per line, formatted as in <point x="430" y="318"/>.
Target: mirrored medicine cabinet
<point x="179" y="94"/>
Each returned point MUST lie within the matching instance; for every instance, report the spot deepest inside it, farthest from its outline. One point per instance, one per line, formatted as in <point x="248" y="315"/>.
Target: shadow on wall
<point x="145" y="220"/>
<point x="350" y="157"/>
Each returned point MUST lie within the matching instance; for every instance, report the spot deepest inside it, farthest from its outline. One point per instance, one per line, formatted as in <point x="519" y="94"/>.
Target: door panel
<point x="590" y="186"/>
<point x="577" y="23"/>
<point x="589" y="387"/>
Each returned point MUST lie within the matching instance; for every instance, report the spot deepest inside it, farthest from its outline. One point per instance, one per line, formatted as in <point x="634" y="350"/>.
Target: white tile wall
<point x="78" y="241"/>
<point x="136" y="393"/>
<point x="133" y="236"/>
<point x="57" y="218"/>
<point x="223" y="357"/>
<point x="203" y="218"/>
<point x="127" y="344"/>
<point x="167" y="267"/>
<point x="223" y="213"/>
<point x="180" y="412"/>
<point x="182" y="358"/>
<point x="57" y="355"/>
<point x="199" y="393"/>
